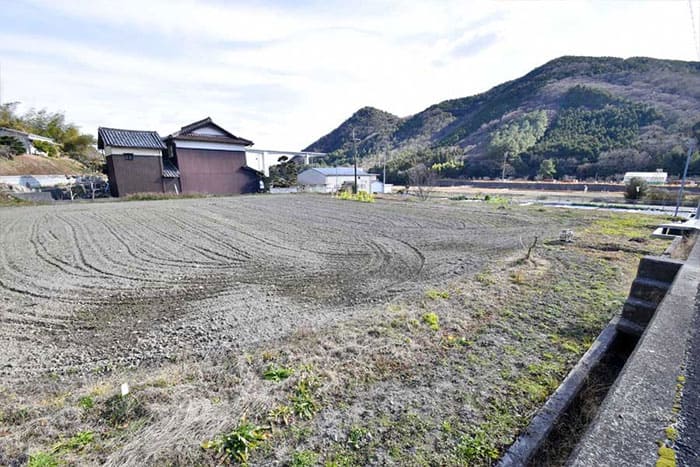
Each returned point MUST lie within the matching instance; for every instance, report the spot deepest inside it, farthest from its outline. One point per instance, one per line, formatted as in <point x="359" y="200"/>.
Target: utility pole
<point x="354" y="148"/>
<point x="691" y="148"/>
<point x="386" y="154"/>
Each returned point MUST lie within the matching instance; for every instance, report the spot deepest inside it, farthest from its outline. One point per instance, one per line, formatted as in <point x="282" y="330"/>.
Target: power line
<point x="696" y="42"/>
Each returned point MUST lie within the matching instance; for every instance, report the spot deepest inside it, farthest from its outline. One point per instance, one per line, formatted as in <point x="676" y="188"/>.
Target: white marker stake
<point x="125" y="389"/>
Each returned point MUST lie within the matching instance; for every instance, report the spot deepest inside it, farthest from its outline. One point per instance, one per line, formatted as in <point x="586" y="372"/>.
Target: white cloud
<point x="285" y="76"/>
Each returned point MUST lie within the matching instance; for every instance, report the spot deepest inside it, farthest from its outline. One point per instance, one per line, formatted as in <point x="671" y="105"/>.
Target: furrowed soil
<point x="323" y="331"/>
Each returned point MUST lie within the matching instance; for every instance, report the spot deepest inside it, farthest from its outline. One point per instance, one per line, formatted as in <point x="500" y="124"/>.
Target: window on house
<point x="129" y="156"/>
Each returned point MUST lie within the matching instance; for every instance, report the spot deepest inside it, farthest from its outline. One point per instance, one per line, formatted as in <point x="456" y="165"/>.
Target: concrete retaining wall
<point x="35" y="181"/>
<point x="632" y="420"/>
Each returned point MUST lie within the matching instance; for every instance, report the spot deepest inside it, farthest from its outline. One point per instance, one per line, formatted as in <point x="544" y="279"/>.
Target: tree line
<point x="71" y="142"/>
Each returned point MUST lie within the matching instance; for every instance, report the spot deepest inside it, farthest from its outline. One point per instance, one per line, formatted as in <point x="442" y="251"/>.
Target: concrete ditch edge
<point x="632" y="419"/>
<point x="527" y="444"/>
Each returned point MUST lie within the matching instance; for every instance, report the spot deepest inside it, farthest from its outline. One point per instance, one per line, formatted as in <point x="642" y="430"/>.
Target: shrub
<point x="660" y="196"/>
<point x="11" y="146"/>
<point x="49" y="149"/>
<point x="636" y="189"/>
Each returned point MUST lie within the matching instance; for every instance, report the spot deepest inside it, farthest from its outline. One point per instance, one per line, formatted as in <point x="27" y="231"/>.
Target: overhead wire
<point x="696" y="42"/>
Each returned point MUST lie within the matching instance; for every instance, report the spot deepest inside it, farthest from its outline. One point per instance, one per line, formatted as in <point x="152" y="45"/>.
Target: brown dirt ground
<point x="38" y="165"/>
<point x="405" y="333"/>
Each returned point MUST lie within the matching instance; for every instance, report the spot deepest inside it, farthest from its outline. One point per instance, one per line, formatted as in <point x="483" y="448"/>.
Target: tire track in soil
<point x="87" y="285"/>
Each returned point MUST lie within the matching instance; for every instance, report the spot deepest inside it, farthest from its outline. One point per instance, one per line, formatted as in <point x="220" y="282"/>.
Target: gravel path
<point x="90" y="286"/>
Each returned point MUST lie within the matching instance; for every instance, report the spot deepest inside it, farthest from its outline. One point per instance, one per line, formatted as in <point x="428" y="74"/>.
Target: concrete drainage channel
<point x="560" y="424"/>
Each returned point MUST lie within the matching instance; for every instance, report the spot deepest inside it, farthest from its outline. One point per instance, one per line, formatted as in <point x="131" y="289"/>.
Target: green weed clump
<point x="42" y="459"/>
<point x="275" y="373"/>
<point x="75" y="443"/>
<point x="358" y="437"/>
<point x="432" y="320"/>
<point x="281" y="415"/>
<point x="86" y="402"/>
<point x="237" y="445"/>
<point x="303" y="402"/>
<point x="304" y="459"/>
<point x="477" y="449"/>
<point x="435" y="294"/>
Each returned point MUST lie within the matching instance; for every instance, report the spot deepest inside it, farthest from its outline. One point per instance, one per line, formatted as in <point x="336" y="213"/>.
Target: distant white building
<point x="262" y="159"/>
<point x="27" y="140"/>
<point x="331" y="179"/>
<point x="652" y="178"/>
<point x="379" y="187"/>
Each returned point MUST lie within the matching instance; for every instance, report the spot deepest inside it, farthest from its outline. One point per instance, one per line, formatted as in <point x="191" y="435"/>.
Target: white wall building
<point x="262" y="159"/>
<point x="331" y="179"/>
<point x="27" y="140"/>
<point x="652" y="178"/>
<point x="379" y="187"/>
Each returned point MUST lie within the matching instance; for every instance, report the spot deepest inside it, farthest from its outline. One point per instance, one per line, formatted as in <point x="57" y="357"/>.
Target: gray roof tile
<point x="339" y="171"/>
<point x="128" y="139"/>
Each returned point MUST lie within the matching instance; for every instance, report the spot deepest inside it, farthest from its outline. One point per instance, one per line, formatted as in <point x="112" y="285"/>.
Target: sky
<point x="284" y="73"/>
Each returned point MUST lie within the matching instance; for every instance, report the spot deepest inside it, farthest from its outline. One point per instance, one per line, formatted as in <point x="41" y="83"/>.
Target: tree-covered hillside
<point x="589" y="117"/>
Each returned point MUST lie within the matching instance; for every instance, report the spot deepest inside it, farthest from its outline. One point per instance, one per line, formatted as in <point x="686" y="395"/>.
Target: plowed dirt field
<point x="129" y="283"/>
<point x="327" y="332"/>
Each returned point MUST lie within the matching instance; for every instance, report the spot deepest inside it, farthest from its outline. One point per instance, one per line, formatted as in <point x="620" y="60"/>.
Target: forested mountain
<point x="592" y="117"/>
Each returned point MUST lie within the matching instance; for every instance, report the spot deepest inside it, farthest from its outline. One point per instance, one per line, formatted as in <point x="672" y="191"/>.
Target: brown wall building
<point x="221" y="172"/>
<point x="211" y="160"/>
<point x="134" y="160"/>
<point x="136" y="174"/>
<point x="200" y="158"/>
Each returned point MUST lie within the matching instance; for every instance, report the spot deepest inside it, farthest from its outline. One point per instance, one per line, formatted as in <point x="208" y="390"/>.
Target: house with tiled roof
<point x="201" y="157"/>
<point x="27" y="140"/>
<point x="211" y="159"/>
